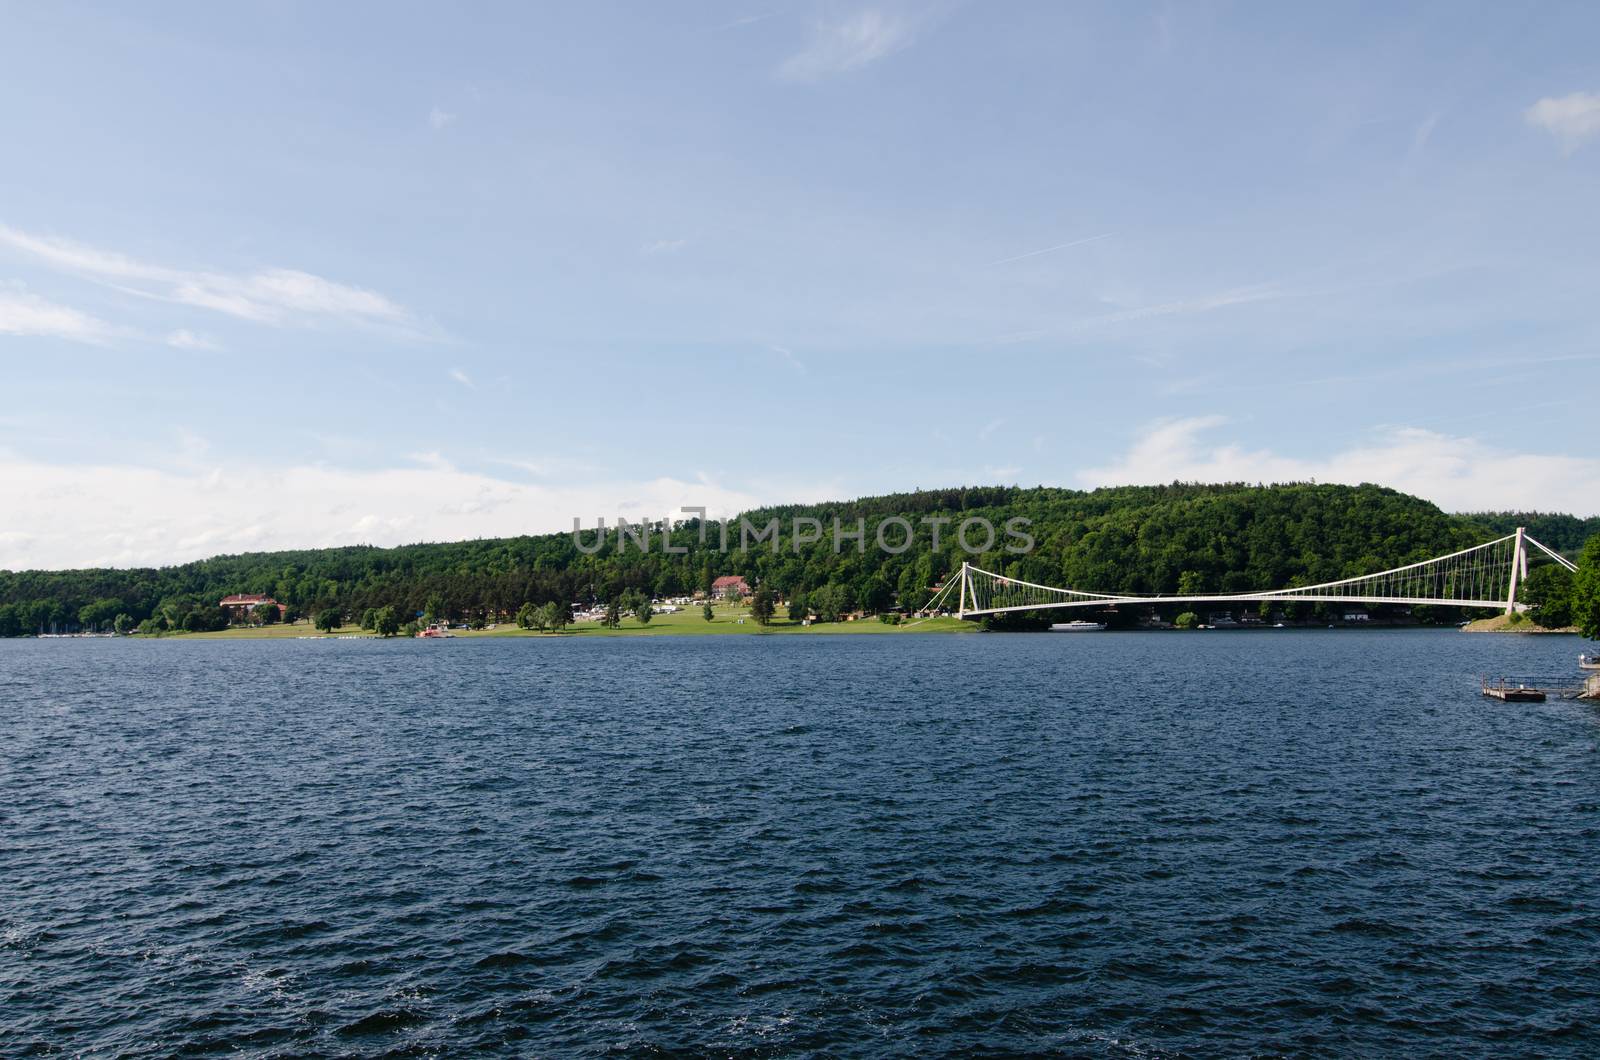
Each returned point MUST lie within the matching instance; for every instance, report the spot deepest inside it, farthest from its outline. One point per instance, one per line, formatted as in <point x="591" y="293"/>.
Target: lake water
<point x="1099" y="844"/>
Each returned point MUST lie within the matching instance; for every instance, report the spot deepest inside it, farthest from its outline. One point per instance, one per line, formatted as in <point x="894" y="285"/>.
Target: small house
<point x="730" y="587"/>
<point x="239" y="606"/>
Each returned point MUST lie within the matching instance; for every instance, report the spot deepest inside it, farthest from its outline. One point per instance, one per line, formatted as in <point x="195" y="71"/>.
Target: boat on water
<point x="434" y="632"/>
<point x="1077" y="627"/>
<point x="1589" y="662"/>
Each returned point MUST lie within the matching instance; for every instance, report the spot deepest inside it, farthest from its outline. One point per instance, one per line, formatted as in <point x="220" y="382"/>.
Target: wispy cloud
<point x="789" y="357"/>
<point x="1420" y="137"/>
<point x="461" y="377"/>
<point x="747" y="20"/>
<point x="1457" y="473"/>
<point x="1202" y="304"/>
<point x="280" y="297"/>
<point x="22" y="313"/>
<point x="1570" y="119"/>
<point x="184" y="339"/>
<point x="849" y="43"/>
<point x="438" y="117"/>
<point x="1048" y="250"/>
<point x="990" y="427"/>
<point x="1180" y="307"/>
<point x="663" y="246"/>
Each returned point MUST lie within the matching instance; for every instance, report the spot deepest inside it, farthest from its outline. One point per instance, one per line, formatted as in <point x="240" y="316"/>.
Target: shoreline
<point x="1502" y="624"/>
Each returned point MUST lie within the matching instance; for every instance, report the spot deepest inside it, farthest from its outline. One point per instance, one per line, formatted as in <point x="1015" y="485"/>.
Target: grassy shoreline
<point x="728" y="621"/>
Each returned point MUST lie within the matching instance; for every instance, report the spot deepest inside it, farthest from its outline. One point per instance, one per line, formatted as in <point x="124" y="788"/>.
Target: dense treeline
<point x="1160" y="539"/>
<point x="1564" y="533"/>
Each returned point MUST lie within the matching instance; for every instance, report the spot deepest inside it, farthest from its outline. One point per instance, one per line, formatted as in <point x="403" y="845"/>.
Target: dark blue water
<point x="1102" y="845"/>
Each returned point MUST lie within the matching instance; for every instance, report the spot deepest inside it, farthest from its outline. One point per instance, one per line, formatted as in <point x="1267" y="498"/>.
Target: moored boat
<point x="1589" y="662"/>
<point x="1077" y="627"/>
<point x="434" y="632"/>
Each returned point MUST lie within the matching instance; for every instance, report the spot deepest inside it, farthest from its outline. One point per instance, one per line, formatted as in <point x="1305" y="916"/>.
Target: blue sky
<point x="286" y="274"/>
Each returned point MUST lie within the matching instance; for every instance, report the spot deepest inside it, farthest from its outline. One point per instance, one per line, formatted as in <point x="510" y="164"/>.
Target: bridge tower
<point x="1519" y="568"/>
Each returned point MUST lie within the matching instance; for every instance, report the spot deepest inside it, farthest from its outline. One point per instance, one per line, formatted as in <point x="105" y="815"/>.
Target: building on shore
<point x="239" y="606"/>
<point x="730" y="587"/>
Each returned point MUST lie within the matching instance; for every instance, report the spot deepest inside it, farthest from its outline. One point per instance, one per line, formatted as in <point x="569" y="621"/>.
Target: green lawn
<point x="686" y="623"/>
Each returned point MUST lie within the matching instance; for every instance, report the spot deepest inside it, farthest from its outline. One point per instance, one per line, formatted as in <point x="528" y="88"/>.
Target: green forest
<point x="1157" y="539"/>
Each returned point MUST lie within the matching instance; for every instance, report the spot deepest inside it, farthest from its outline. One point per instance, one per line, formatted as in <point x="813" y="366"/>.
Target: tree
<point x="202" y="619"/>
<point x="386" y="622"/>
<point x="329" y="619"/>
<point x="560" y="615"/>
<point x="643" y="612"/>
<point x="829" y="602"/>
<point x="528" y="617"/>
<point x="1586" y="590"/>
<point x="1187" y="620"/>
<point x="1548" y="593"/>
<point x="876" y="595"/>
<point x="547" y="616"/>
<point x="613" y="617"/>
<point x="123" y="623"/>
<point x="266" y="614"/>
<point x="762" y="606"/>
<point x="436" y="609"/>
<point x="797" y="607"/>
<point x="707" y="612"/>
<point x="369" y="619"/>
<point x="100" y="613"/>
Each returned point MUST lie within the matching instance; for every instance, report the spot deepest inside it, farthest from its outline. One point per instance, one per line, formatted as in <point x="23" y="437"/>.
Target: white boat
<point x="1077" y="627"/>
<point x="1589" y="662"/>
<point x="434" y="632"/>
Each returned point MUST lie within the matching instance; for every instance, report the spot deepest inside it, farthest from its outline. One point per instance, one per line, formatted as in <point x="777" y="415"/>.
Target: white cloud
<point x="55" y="516"/>
<point x="1570" y="119"/>
<point x="664" y="246"/>
<point x="184" y="339"/>
<point x="848" y="44"/>
<point x="438" y="117"/>
<point x="26" y="314"/>
<point x="461" y="377"/>
<point x="432" y="460"/>
<point x="1457" y="473"/>
<point x="283" y="297"/>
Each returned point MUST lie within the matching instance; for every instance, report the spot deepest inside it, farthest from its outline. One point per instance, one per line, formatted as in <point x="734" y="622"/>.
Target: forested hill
<point x="1194" y="538"/>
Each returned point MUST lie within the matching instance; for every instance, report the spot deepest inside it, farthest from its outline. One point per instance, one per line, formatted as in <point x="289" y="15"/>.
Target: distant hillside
<point x="1144" y="539"/>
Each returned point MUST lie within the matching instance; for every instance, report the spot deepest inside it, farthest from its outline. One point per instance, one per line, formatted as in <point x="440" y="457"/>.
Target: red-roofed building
<point x="730" y="586"/>
<point x="238" y="606"/>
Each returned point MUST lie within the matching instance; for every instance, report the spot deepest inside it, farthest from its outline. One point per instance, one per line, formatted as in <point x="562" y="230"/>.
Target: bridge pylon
<point x="1519" y="565"/>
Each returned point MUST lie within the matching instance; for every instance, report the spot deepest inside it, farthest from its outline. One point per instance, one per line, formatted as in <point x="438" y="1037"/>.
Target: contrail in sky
<point x="1047" y="250"/>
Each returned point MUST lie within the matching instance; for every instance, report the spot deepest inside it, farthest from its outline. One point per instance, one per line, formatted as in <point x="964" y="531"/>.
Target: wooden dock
<point x="1510" y="693"/>
<point x="1539" y="689"/>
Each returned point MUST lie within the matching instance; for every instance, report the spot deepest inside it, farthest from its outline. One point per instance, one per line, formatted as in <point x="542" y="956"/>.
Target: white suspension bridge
<point x="1485" y="576"/>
